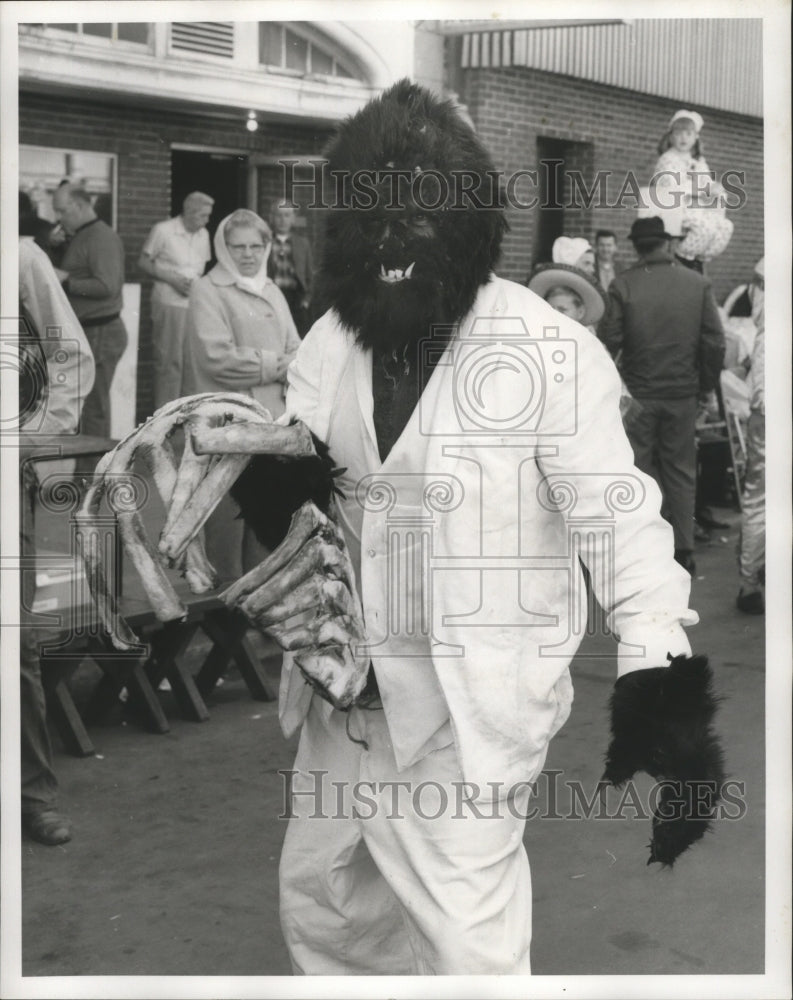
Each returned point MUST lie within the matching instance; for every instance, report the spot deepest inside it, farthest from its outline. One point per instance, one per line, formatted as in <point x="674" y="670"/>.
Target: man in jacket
<point x="664" y="320"/>
<point x="175" y="253"/>
<point x="92" y="270"/>
<point x="605" y="252"/>
<point x="290" y="265"/>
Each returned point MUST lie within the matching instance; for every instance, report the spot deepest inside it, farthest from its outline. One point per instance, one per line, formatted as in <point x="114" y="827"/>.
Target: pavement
<point x="173" y="866"/>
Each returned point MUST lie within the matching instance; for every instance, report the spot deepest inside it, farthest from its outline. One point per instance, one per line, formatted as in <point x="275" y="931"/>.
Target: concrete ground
<point x="173" y="865"/>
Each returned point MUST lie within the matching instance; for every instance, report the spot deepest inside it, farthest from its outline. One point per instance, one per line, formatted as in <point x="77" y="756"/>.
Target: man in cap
<point x="664" y="320"/>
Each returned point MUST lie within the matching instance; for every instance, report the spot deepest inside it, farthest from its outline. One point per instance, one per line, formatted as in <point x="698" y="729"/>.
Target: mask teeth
<point x="409" y="271"/>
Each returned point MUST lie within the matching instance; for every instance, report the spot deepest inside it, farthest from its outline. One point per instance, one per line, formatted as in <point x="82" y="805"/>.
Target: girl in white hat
<point x="681" y="178"/>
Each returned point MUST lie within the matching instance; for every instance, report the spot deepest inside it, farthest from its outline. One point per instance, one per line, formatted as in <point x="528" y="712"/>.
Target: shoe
<point x="705" y="519"/>
<point x="686" y="560"/>
<point x="700" y="534"/>
<point x="47" y="826"/>
<point x="751" y="603"/>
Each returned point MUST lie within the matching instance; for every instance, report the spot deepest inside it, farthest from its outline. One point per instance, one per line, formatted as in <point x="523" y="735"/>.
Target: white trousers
<point x="419" y="882"/>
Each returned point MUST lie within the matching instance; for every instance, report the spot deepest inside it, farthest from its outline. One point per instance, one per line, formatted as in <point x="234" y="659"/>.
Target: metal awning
<point x="710" y="62"/>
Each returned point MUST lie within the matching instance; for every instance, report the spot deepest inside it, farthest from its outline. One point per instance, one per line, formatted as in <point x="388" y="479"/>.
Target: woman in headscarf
<point x="240" y="338"/>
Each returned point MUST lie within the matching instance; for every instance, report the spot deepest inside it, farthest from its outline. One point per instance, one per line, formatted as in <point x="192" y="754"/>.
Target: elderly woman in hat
<point x="570" y="289"/>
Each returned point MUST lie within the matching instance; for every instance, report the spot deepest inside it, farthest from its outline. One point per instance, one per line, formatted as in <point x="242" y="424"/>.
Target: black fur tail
<point x="661" y="723"/>
<point x="271" y="488"/>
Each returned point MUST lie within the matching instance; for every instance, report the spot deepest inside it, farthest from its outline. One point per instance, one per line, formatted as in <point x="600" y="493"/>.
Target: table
<point x="77" y="635"/>
<point x="162" y="657"/>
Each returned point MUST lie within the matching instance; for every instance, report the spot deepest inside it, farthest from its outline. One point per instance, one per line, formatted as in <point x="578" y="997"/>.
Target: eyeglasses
<point x="247" y="247"/>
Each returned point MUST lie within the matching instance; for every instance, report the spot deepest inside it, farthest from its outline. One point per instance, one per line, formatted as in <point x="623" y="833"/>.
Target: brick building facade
<point x="524" y="115"/>
<point x="143" y="140"/>
<point x="536" y="94"/>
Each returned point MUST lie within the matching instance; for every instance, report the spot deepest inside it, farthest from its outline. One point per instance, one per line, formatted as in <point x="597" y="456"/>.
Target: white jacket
<point x="513" y="466"/>
<point x="68" y="357"/>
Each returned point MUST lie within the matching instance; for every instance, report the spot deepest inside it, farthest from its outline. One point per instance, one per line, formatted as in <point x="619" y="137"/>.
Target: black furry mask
<point x="416" y="225"/>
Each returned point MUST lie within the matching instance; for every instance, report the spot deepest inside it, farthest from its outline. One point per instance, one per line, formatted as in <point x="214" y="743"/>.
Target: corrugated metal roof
<point x="716" y="62"/>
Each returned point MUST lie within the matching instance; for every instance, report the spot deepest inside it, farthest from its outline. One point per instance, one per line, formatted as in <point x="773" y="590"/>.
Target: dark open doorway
<point x="220" y="175"/>
<point x="550" y="224"/>
<point x="562" y="211"/>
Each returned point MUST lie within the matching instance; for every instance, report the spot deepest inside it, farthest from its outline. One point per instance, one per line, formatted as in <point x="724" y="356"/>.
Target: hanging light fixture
<point x="252" y="123"/>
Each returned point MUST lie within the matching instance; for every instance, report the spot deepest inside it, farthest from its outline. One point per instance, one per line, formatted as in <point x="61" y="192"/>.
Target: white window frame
<point x="112" y="157"/>
<point x="97" y="40"/>
<point x="321" y="42"/>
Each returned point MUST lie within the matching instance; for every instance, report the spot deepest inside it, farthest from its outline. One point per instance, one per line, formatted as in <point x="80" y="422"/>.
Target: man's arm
<point x="151" y="264"/>
<point x="161" y="272"/>
<point x="711" y="344"/>
<point x="610" y="329"/>
<point x="663" y="705"/>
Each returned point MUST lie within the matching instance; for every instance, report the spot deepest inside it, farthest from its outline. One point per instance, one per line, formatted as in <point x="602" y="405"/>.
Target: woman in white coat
<point x="240" y="338"/>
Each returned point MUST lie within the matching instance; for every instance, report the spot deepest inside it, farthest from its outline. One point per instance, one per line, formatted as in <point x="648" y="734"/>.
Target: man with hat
<point x="663" y="318"/>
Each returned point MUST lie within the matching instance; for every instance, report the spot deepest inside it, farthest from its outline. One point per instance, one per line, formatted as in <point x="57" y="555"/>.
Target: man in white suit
<point x="482" y="456"/>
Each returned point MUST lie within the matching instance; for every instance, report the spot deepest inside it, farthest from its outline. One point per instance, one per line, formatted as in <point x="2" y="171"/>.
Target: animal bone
<point x="304" y="594"/>
<point x="304" y="524"/>
<point x="290" y="440"/>
<point x="196" y="568"/>
<point x="113" y="469"/>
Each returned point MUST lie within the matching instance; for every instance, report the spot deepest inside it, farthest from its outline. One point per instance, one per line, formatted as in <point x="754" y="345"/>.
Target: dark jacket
<point x="302" y="261"/>
<point x="94" y="259"/>
<point x="662" y="318"/>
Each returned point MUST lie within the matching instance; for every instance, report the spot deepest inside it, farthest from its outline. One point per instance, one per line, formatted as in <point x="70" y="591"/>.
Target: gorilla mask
<point x="417" y="225"/>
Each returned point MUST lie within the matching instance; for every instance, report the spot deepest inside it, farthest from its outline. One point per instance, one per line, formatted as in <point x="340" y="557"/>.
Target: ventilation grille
<point x="213" y="38"/>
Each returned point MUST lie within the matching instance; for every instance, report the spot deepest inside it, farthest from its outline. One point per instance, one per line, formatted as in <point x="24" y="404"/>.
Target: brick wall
<point x="619" y="131"/>
<point x="141" y="138"/>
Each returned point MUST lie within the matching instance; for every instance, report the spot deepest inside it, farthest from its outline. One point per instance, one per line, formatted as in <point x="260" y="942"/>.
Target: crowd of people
<point x="237" y="326"/>
<point x="231" y="328"/>
<point x="682" y="359"/>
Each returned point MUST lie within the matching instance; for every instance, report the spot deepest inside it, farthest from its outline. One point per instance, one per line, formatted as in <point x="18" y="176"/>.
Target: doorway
<point x="563" y="211"/>
<point x="220" y="175"/>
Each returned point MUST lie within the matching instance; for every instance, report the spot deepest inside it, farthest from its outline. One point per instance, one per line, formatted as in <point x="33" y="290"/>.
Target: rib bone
<point x="166" y="605"/>
<point x="315" y="557"/>
<point x="197" y="569"/>
<point x="336" y="673"/>
<point x="244" y="438"/>
<point x="323" y="596"/>
<point x="207" y="496"/>
<point x="118" y="462"/>
<point x="305" y="521"/>
<point x="192" y="470"/>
